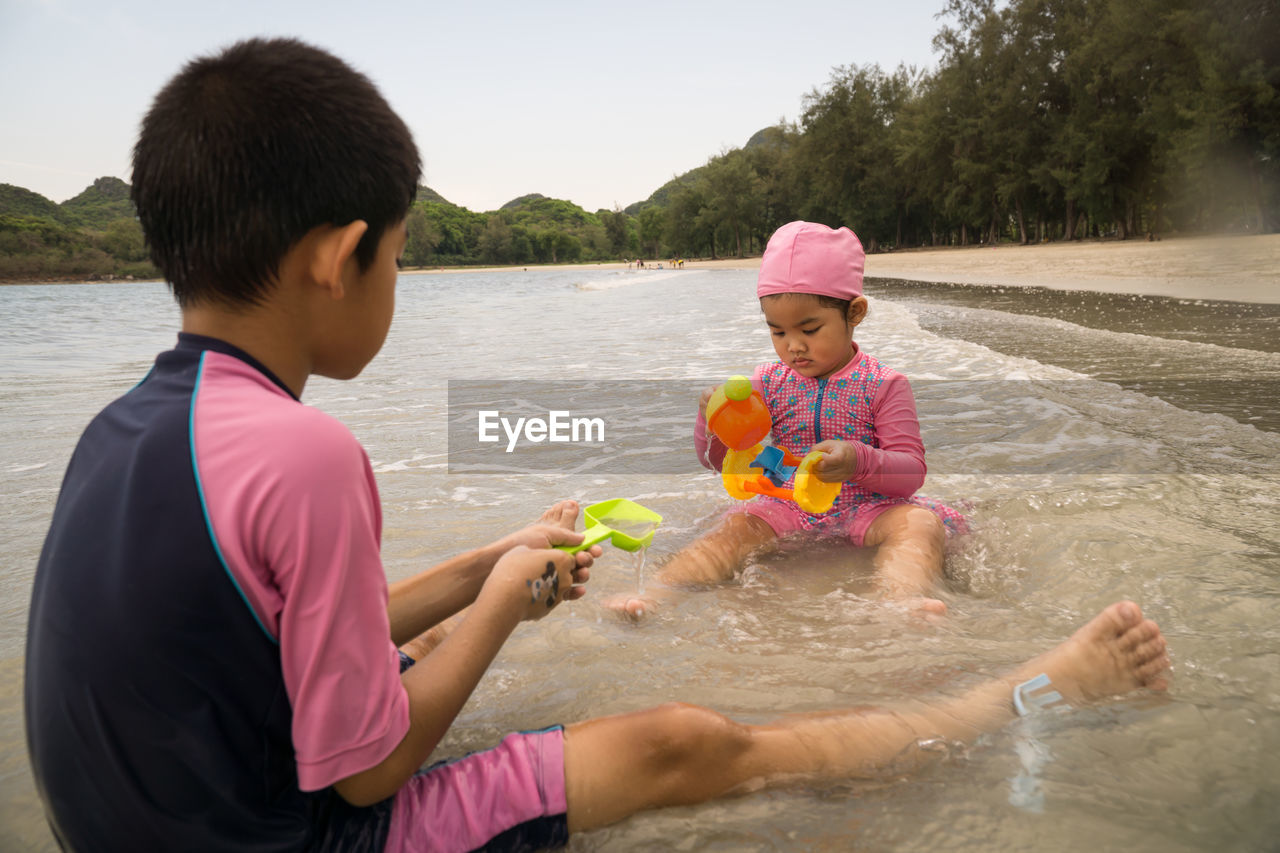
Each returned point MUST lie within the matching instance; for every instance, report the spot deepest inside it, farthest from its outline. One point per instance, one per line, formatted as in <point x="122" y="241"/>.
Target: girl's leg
<point x="908" y="561"/>
<point x="682" y="754"/>
<point x="707" y="560"/>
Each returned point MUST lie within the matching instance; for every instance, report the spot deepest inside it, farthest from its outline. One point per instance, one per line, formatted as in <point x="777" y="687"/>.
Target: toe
<point x="564" y="514"/>
<point x="1138" y="635"/>
<point x="1124" y="616"/>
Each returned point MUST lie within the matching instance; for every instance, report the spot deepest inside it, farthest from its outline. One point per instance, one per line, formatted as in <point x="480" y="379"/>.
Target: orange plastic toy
<point x="736" y="413"/>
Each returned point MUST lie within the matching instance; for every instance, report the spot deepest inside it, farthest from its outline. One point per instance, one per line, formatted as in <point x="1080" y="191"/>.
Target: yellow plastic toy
<point x="626" y="524"/>
<point x="738" y="416"/>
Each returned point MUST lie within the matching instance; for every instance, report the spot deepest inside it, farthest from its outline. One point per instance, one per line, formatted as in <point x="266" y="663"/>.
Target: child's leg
<point x="908" y="561"/>
<point x="682" y="754"/>
<point x="709" y="559"/>
<point x="425" y="643"/>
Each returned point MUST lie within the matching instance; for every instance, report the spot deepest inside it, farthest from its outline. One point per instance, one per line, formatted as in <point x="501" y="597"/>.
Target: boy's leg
<point x="425" y="643"/>
<point x="707" y="560"/>
<point x="908" y="561"/>
<point x="681" y="754"/>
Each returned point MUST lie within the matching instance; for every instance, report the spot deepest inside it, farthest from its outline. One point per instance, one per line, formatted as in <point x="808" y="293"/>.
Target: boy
<point x="212" y="653"/>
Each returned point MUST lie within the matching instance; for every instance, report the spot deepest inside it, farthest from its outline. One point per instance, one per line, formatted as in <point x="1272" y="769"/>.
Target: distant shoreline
<point x="1235" y="268"/>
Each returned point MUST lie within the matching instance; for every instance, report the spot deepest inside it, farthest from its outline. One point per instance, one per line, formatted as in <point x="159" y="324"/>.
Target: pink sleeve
<point x="341" y="669"/>
<point x="294" y="508"/>
<point x="896" y="468"/>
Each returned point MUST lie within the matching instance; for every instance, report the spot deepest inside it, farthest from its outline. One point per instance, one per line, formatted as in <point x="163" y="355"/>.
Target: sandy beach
<point x="1236" y="268"/>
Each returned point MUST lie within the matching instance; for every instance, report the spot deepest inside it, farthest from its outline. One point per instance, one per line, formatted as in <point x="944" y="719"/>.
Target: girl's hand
<point x="839" y="461"/>
<point x="533" y="582"/>
<point x="704" y="399"/>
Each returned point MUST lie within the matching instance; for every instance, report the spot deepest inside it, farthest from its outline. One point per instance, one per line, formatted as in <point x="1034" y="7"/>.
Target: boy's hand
<point x="535" y="581"/>
<point x="839" y="461"/>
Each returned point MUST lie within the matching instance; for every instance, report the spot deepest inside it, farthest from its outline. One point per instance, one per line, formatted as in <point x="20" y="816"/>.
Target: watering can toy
<point x="738" y="416"/>
<point x="625" y="524"/>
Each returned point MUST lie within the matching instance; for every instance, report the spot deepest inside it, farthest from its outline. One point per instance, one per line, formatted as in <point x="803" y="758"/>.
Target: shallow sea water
<point x="1103" y="451"/>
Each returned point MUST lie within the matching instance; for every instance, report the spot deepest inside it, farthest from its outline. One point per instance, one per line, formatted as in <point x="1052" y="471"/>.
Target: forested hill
<point x="16" y="201"/>
<point x="105" y="201"/>
<point x="102" y="202"/>
<point x="94" y="235"/>
<point x="530" y="229"/>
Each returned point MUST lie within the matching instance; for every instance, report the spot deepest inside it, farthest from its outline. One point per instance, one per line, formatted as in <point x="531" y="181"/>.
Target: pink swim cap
<point x="807" y="257"/>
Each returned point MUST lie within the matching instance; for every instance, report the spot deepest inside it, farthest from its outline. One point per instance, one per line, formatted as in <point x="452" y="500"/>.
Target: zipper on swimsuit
<point x="817" y="411"/>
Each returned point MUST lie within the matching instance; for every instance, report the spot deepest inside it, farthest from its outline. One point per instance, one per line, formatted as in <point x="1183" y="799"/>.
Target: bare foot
<point x="634" y="606"/>
<point x="924" y="609"/>
<point x="1115" y="652"/>
<point x="562" y="514"/>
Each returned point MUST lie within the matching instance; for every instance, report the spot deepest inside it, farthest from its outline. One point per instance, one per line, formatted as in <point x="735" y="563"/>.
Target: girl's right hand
<point x="535" y="581"/>
<point x="704" y="399"/>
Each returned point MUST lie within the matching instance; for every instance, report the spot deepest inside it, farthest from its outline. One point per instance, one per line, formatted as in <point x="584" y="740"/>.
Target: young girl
<point x="825" y="393"/>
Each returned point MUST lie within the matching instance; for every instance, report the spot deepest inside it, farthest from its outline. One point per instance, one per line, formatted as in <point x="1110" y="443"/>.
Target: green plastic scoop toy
<point x="626" y="524"/>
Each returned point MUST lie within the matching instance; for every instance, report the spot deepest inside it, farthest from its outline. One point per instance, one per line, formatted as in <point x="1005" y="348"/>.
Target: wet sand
<point x="1243" y="269"/>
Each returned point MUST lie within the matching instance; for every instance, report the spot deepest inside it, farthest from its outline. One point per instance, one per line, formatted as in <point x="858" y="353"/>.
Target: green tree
<point x="652" y="224"/>
<point x="495" y="241"/>
<point x="687" y="231"/>
<point x="735" y="196"/>
<point x="124" y="241"/>
<point x="770" y="153"/>
<point x="847" y="152"/>
<point x="617" y="226"/>
<point x="422" y="237"/>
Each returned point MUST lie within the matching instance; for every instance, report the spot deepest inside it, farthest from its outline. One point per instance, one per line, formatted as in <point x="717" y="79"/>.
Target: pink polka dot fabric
<point x="864" y="403"/>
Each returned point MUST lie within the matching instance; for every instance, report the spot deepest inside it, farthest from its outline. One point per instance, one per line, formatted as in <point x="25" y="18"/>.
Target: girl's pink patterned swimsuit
<point x="866" y="404"/>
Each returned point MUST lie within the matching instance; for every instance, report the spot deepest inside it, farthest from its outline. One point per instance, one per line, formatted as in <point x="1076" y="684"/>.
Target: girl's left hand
<point x="839" y="461"/>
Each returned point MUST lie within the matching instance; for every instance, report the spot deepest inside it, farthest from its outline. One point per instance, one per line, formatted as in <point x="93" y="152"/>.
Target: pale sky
<point x="597" y="103"/>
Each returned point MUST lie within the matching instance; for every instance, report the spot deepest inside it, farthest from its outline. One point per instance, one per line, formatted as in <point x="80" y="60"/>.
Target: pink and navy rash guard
<point x="208" y="648"/>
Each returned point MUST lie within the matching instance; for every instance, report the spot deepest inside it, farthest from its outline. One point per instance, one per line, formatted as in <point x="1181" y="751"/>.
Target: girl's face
<point x="813" y="339"/>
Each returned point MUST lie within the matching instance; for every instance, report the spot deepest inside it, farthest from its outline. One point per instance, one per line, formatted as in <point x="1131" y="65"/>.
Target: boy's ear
<point x="334" y="247"/>
<point x="857" y="310"/>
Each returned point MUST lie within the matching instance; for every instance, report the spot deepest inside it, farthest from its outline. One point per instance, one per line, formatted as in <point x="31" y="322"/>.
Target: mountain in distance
<point x="771" y="135"/>
<point x="425" y="193"/>
<point x="17" y="201"/>
<point x="101" y="203"/>
<point x="107" y="199"/>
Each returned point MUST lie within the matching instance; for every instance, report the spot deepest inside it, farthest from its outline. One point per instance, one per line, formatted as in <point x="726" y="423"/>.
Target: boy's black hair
<point x="244" y="152"/>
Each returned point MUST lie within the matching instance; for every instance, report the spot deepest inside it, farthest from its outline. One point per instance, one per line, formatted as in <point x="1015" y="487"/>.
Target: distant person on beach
<point x="825" y="393"/>
<point x="214" y="658"/>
